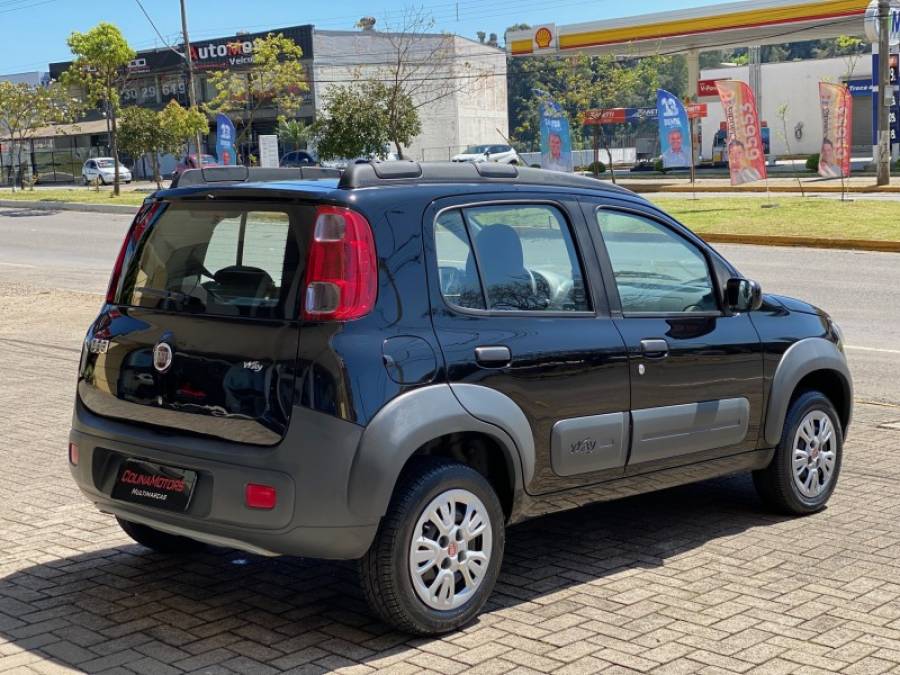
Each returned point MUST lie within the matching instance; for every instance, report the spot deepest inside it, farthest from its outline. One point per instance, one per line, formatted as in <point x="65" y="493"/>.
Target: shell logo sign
<point x="544" y="38"/>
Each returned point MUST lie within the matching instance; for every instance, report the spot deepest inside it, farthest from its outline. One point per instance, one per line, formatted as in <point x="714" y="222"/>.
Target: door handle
<point x="655" y="349"/>
<point x="495" y="356"/>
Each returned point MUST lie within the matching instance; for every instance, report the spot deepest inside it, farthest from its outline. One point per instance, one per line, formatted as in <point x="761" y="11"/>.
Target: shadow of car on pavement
<point x="129" y="606"/>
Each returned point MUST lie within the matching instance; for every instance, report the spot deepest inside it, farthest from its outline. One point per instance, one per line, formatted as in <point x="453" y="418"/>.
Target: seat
<point x="244" y="282"/>
<point x="509" y="285"/>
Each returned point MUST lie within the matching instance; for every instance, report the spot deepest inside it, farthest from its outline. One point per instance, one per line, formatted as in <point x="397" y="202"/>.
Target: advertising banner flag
<point x="746" y="158"/>
<point x="225" y="140"/>
<point x="556" y="145"/>
<point x="837" y="125"/>
<point x="674" y="130"/>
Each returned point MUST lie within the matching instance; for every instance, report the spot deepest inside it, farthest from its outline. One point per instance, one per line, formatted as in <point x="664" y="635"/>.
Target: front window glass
<point x="476" y="149"/>
<point x="106" y="163"/>
<point x="656" y="270"/>
<point x="231" y="262"/>
<point x="524" y="259"/>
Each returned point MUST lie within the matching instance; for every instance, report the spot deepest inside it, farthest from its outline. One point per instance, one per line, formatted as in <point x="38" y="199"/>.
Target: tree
<point x="293" y="133"/>
<point x="417" y="68"/>
<point x="144" y="131"/>
<point x="180" y="126"/>
<point x="352" y="123"/>
<point x="277" y="78"/>
<point x="140" y="133"/>
<point x="23" y="109"/>
<point x="101" y="57"/>
<point x="782" y="113"/>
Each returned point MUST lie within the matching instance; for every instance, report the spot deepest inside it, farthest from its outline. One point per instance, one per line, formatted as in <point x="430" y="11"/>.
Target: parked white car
<point x="104" y="169"/>
<point x="503" y="154"/>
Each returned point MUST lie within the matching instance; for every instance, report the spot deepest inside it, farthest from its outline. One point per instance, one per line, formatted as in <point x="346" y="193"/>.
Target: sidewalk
<point x="811" y="184"/>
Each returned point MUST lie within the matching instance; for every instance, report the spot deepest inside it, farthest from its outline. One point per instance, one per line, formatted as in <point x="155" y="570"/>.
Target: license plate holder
<point x="151" y="484"/>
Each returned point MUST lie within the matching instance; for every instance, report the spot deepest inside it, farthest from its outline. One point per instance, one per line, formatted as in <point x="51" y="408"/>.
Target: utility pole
<point x="192" y="95"/>
<point x="885" y="92"/>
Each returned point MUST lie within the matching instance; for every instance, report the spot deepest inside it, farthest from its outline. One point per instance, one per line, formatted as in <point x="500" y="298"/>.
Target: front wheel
<point x="804" y="471"/>
<point x="438" y="551"/>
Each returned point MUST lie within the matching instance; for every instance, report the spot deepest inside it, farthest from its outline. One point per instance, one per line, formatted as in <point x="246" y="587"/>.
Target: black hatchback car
<point x="395" y="364"/>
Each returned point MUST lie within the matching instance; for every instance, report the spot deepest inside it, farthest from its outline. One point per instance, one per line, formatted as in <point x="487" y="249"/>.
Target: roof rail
<point x="400" y="172"/>
<point x="242" y="174"/>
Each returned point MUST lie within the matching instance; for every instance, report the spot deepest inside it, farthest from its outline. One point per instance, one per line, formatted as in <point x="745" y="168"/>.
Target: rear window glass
<point x="234" y="262"/>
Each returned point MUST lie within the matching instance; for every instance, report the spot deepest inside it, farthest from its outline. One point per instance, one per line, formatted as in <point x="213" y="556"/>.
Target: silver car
<point x="104" y="169"/>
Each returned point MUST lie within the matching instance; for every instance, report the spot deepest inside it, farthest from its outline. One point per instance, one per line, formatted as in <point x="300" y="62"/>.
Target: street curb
<point x="119" y="209"/>
<point x="805" y="242"/>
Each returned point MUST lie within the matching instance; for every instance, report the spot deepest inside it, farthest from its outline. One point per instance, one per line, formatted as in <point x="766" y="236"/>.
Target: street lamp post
<point x="192" y="95"/>
<point x="885" y="93"/>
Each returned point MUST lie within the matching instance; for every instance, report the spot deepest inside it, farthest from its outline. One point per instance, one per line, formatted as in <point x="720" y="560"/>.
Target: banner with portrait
<point x="225" y="136"/>
<point x="837" y="130"/>
<point x="556" y="144"/>
<point x="746" y="157"/>
<point x="674" y="130"/>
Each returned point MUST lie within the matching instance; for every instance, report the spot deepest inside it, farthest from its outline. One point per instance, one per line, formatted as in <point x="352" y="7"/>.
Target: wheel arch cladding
<point x="408" y="423"/>
<point x="814" y="361"/>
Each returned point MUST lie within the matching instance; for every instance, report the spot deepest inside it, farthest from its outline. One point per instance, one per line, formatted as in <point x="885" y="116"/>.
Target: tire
<point x="386" y="571"/>
<point x="801" y="490"/>
<point x="161" y="542"/>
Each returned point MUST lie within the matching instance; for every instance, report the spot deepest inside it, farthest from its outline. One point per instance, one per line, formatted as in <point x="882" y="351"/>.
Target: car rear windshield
<point x="236" y="261"/>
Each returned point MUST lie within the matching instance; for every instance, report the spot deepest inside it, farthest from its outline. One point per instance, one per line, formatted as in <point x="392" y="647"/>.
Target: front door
<point x="518" y="306"/>
<point x="696" y="370"/>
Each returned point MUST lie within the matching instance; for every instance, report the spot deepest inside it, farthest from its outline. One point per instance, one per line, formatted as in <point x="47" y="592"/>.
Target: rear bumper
<point x="309" y="471"/>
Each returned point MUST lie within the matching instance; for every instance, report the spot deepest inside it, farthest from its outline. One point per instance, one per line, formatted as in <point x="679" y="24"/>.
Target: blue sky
<point x="35" y="31"/>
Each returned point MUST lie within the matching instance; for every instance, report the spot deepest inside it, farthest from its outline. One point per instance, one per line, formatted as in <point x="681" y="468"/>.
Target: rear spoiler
<point x="242" y="174"/>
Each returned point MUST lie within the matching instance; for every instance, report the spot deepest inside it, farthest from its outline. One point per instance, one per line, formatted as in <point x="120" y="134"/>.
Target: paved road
<point x="68" y="250"/>
<point x="71" y="250"/>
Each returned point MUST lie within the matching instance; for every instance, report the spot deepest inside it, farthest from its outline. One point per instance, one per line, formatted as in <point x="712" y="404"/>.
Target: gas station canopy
<point x="734" y="24"/>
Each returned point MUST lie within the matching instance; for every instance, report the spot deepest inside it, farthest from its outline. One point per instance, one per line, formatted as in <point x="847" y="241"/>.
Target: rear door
<point x="696" y="370"/>
<point x="201" y="331"/>
<point x="518" y="307"/>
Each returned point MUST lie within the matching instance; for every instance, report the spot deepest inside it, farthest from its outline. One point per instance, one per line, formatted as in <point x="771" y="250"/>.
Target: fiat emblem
<point x="162" y="357"/>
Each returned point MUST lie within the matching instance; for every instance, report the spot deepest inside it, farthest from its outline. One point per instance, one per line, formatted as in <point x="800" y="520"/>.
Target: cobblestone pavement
<point x="692" y="580"/>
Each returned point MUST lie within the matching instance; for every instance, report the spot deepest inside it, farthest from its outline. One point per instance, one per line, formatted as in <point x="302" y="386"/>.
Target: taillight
<point x="135" y="232"/>
<point x="341" y="272"/>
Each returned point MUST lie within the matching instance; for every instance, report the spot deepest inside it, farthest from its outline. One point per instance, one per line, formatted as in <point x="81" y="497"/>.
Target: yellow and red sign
<point x="746" y="158"/>
<point x="544" y="38"/>
<point x="837" y="129"/>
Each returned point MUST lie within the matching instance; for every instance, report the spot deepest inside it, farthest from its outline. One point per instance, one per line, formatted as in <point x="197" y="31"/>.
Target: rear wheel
<point x="438" y="551"/>
<point x="804" y="471"/>
<point x="162" y="542"/>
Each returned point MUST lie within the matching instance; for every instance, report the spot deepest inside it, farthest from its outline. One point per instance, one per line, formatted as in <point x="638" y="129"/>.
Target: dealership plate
<point x="151" y="484"/>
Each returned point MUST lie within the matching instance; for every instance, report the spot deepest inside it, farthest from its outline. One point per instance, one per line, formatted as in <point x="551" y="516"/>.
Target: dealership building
<point x="471" y="108"/>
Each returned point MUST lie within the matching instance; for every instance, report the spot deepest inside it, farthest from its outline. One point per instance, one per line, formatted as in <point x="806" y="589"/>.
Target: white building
<point x="34" y="78"/>
<point x="796" y="84"/>
<point x="467" y="79"/>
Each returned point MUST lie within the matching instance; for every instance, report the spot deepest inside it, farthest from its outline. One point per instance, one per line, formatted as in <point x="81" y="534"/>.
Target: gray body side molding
<point x="802" y="358"/>
<point x="403" y="426"/>
<point x="670" y="431"/>
<point x="490" y="406"/>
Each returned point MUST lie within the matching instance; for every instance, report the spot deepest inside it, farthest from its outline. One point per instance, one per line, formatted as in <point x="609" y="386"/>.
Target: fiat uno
<point x="394" y="365"/>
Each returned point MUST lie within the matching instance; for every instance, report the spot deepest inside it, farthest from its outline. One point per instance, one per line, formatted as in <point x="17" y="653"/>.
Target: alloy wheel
<point x="450" y="550"/>
<point x="814" y="454"/>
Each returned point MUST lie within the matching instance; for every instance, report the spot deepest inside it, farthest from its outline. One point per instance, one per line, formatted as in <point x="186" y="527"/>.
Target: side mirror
<point x="743" y="295"/>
